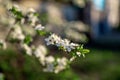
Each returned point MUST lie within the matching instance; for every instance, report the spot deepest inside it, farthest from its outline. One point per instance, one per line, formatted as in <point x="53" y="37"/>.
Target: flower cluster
<point x="26" y="48"/>
<point x="40" y="52"/>
<point x="51" y="63"/>
<point x="74" y="49"/>
<point x="31" y="17"/>
<point x="61" y="64"/>
<point x="17" y="33"/>
<point x="65" y="44"/>
<point x="55" y="65"/>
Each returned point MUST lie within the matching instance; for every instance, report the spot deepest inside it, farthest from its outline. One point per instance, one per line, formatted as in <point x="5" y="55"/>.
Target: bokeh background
<point x="96" y="23"/>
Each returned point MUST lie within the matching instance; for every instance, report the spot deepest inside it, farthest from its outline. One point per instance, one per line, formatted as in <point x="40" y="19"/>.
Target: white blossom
<point x="27" y="49"/>
<point x="78" y="53"/>
<point x="52" y="39"/>
<point x="22" y="21"/>
<point x="49" y="59"/>
<point x="31" y="10"/>
<point x="72" y="58"/>
<point x="73" y="45"/>
<point x="59" y="42"/>
<point x="61" y="64"/>
<point x="39" y="27"/>
<point x="17" y="7"/>
<point x="31" y="17"/>
<point x="17" y="33"/>
<point x="3" y="44"/>
<point x="49" y="68"/>
<point x="49" y="64"/>
<point x="40" y="53"/>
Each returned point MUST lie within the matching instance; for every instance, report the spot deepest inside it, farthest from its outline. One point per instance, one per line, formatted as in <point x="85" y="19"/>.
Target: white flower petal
<point x="39" y="27"/>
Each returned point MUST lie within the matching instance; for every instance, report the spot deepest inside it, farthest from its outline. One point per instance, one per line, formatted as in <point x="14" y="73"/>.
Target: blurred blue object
<point x="99" y="4"/>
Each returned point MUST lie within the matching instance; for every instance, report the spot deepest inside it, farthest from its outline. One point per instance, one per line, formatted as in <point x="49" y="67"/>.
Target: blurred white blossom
<point x="17" y="33"/>
<point x="17" y="7"/>
<point x="49" y="60"/>
<point x="49" y="68"/>
<point x="27" y="49"/>
<point x="22" y="21"/>
<point x="40" y="52"/>
<point x="39" y="27"/>
<point x="3" y="44"/>
<point x="59" y="42"/>
<point x="78" y="53"/>
<point x="31" y="10"/>
<point x="61" y="64"/>
<point x="72" y="58"/>
<point x="53" y="39"/>
<point x="31" y="17"/>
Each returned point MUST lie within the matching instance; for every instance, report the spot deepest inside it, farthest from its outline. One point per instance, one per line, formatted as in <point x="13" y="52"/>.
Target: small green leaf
<point x="81" y="46"/>
<point x="85" y="51"/>
<point x="27" y="39"/>
<point x="36" y="14"/>
<point x="1" y="44"/>
<point x="18" y="14"/>
<point x="13" y="40"/>
<point x="41" y="33"/>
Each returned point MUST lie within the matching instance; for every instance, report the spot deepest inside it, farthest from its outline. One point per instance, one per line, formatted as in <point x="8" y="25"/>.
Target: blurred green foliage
<point x="1" y="76"/>
<point x="16" y="66"/>
<point x="99" y="64"/>
<point x="43" y="17"/>
<point x="27" y="39"/>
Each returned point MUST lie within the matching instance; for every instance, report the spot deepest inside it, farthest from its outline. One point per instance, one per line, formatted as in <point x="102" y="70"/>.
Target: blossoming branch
<point x="17" y="34"/>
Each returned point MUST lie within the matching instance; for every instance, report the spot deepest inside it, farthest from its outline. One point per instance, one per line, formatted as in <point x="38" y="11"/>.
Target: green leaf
<point x="85" y="51"/>
<point x="13" y="40"/>
<point x="81" y="46"/>
<point x="36" y="14"/>
<point x="16" y="13"/>
<point x="1" y="44"/>
<point x="41" y="33"/>
<point x="27" y="39"/>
